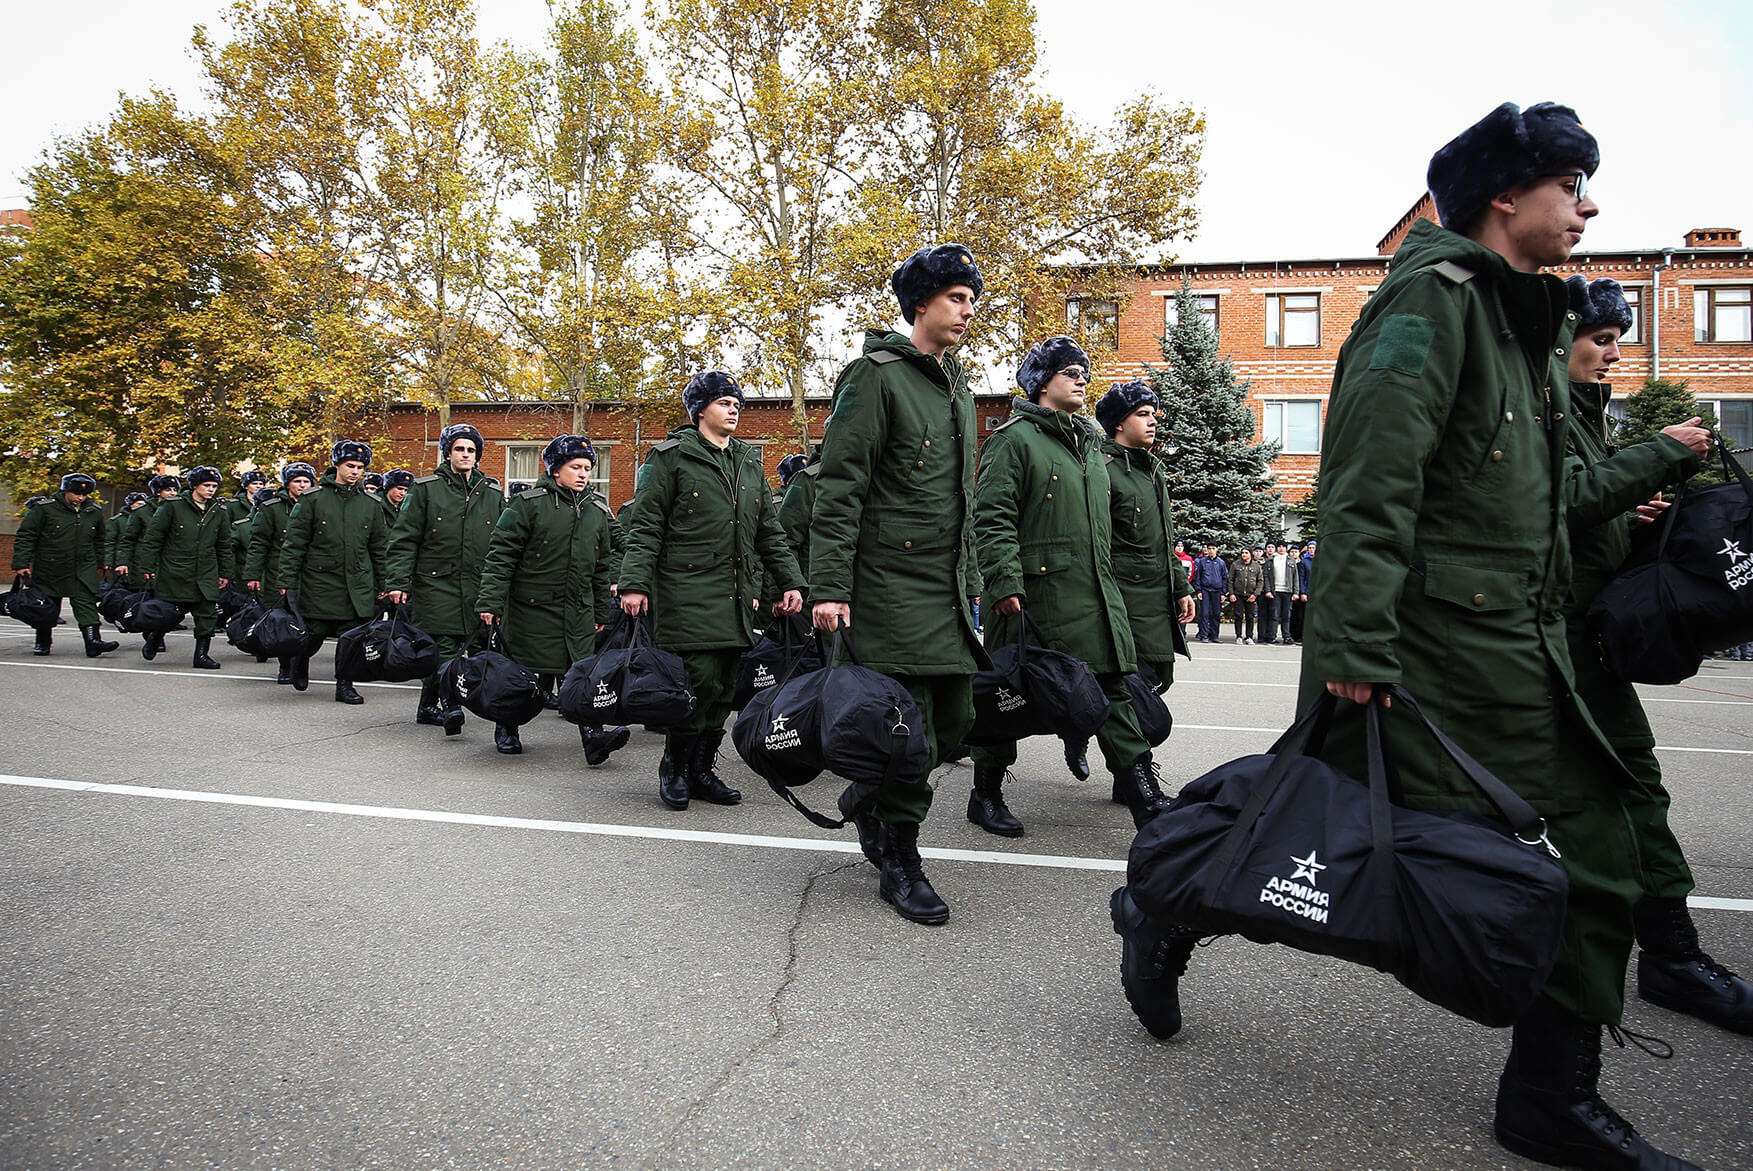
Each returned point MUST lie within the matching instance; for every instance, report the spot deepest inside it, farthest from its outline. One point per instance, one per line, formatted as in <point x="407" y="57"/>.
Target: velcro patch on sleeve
<point x="1403" y="343"/>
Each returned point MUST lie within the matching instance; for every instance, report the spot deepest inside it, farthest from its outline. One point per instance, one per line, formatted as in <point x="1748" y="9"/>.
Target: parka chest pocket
<point x="1137" y="569"/>
<point x="1478" y="590"/>
<point x="1513" y="442"/>
<point x="912" y="536"/>
<point x="694" y="556"/>
<point x="1047" y="558"/>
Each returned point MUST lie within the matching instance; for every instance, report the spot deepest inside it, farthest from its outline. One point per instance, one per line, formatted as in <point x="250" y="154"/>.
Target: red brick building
<point x="1281" y="323"/>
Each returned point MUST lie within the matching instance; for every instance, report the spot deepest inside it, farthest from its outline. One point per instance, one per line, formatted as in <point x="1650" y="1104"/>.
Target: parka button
<point x="920" y="464"/>
<point x="928" y="443"/>
<point x="1049" y="495"/>
<point x="1479" y="599"/>
<point x="1509" y="416"/>
<point x="1497" y="457"/>
<point x="906" y="544"/>
<point x="1559" y="415"/>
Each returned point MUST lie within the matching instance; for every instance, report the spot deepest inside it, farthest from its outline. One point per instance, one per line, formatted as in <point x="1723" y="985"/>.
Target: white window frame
<point x="1715" y="406"/>
<point x="536" y="454"/>
<point x="1708" y="307"/>
<point x="1077" y="321"/>
<point x="1267" y="406"/>
<point x="1278" y="310"/>
<point x="1209" y="315"/>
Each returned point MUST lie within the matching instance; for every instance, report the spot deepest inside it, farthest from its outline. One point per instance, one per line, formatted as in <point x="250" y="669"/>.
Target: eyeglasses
<point x="1076" y="373"/>
<point x="1579" y="182"/>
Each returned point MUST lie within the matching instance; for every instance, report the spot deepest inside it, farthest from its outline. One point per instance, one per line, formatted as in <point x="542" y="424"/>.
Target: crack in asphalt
<point x="268" y="753"/>
<point x="773" y="1007"/>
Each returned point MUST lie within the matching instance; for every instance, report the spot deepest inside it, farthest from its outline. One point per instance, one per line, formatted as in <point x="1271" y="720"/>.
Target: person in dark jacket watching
<point x="1211" y="576"/>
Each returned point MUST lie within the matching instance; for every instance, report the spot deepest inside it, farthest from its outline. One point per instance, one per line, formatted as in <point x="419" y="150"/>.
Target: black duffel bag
<point x="491" y="684"/>
<point x="1031" y="690"/>
<point x="240" y="627"/>
<point x="1464" y="910"/>
<point x="848" y="720"/>
<point x="388" y="649"/>
<point x="113" y="601"/>
<point x="148" y="613"/>
<point x="771" y="659"/>
<point x="232" y="598"/>
<point x="1686" y="588"/>
<point x="282" y="632"/>
<point x="29" y="604"/>
<point x="1154" y="719"/>
<point x="628" y="681"/>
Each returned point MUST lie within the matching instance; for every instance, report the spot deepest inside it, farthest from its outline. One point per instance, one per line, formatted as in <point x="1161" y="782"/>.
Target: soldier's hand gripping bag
<point x="150" y="614"/>
<point x="389" y="648"/>
<point x="232" y="598"/>
<point x="1465" y="911"/>
<point x="240" y="627"/>
<point x="1154" y="719"/>
<point x="1686" y="588"/>
<point x="1031" y="690"/>
<point x="772" y="658"/>
<point x="628" y="681"/>
<point x="281" y="631"/>
<point x="848" y="720"/>
<point x="491" y="684"/>
<point x="30" y="605"/>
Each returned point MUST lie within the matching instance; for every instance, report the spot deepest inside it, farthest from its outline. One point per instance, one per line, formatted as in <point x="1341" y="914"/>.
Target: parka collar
<point x="449" y="473"/>
<point x="1074" y="431"/>
<point x="1136" y="457"/>
<point x="943" y="373"/>
<point x="334" y="485"/>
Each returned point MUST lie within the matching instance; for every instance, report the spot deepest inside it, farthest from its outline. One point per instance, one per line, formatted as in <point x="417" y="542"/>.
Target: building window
<point x="523" y="461"/>
<point x="599" y="472"/>
<point x="1093" y="322"/>
<point x="1734" y="419"/>
<point x="1634" y="335"/>
<point x="1293" y="424"/>
<point x="1207" y="311"/>
<point x="1723" y="314"/>
<point x="1293" y="319"/>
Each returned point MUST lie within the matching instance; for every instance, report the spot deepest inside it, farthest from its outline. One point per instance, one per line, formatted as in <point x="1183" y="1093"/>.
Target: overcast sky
<point x="1321" y="116"/>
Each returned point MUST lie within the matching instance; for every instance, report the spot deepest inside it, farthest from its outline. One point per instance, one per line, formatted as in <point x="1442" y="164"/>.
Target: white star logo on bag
<point x="602" y="686"/>
<point x="1307" y="868"/>
<point x="1732" y="550"/>
<point x="779" y="722"/>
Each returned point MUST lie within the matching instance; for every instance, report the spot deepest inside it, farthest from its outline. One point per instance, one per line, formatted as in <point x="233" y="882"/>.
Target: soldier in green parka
<point x="133" y="524"/>
<point x="437" y="544"/>
<point x="267" y="532"/>
<point x="547" y="575"/>
<point x="332" y="557"/>
<point x="186" y="555"/>
<point x="891" y="544"/>
<point x="113" y="530"/>
<point x="1605" y="484"/>
<point x="59" y="548"/>
<point x="700" y="534"/>
<point x="1447" y="567"/>
<point x="242" y="510"/>
<point x="1159" y="598"/>
<point x="798" y="505"/>
<point x="1044" y="533"/>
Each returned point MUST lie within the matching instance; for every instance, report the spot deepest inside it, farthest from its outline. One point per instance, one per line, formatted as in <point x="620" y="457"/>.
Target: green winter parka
<point x="188" y="548"/>
<point x="1152" y="579"/>
<point x="1044" y="530"/>
<point x="267" y="532"/>
<point x="437" y="544"/>
<point x="1603" y="485"/>
<point x="133" y="526"/>
<point x="242" y="512"/>
<point x="61" y="545"/>
<point x="114" y="529"/>
<point x="546" y="574"/>
<point x="698" y="541"/>
<point x="617" y="538"/>
<point x="333" y="552"/>
<point x="795" y="510"/>
<point x="892" y="532"/>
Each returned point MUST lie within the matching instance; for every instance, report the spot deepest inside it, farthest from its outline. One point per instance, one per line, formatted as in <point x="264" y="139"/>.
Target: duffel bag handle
<point x="1732" y="466"/>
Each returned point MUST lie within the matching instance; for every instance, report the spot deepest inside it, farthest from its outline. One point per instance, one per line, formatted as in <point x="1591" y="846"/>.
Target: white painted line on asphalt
<point x="1724" y="751"/>
<point x="219" y="675"/>
<point x="1705" y="903"/>
<point x="1226" y="728"/>
<point x="1716" y="702"/>
<point x="600" y="829"/>
<point x="1231" y="683"/>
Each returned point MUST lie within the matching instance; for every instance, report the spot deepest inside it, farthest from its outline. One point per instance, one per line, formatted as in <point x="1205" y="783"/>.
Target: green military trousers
<point x="713" y="675"/>
<point x="946" y="705"/>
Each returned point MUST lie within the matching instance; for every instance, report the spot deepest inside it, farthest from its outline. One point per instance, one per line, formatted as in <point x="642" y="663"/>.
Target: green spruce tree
<point x="1658" y="404"/>
<point x="1308" y="513"/>
<point x="1220" y="486"/>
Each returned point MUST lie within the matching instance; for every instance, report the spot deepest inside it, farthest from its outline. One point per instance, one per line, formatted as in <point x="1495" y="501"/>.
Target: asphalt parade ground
<point x="242" y="927"/>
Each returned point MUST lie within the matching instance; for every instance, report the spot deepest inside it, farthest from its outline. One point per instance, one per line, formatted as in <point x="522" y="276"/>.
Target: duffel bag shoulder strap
<point x="1732" y="468"/>
<point x="1309" y="727"/>
<point x="1524" y="819"/>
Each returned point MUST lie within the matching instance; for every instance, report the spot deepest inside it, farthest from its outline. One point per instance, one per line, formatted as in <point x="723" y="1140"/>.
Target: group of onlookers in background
<point x="1264" y="590"/>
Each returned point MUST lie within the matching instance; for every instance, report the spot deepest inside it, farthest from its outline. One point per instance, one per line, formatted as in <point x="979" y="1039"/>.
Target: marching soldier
<point x="159" y="489"/>
<point x="701" y="532"/>
<point x="1044" y="532"/>
<point x="267" y="533"/>
<point x="546" y="578"/>
<point x="332" y="558"/>
<point x="59" y="548"/>
<point x="1673" y="969"/>
<point x="186" y="554"/>
<point x="397" y="483"/>
<point x="242" y="510"/>
<point x="113" y="530"/>
<point x="437" y="544"/>
<point x="891" y="542"/>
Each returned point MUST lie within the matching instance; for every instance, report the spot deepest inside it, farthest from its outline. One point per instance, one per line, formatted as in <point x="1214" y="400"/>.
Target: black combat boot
<point x="1676" y="973"/>
<point x="300" y="672"/>
<point x="903" y="884"/>
<point x="505" y="738"/>
<point x="1140" y="787"/>
<point x="598" y="744"/>
<point x="46" y="639"/>
<point x="344" y="693"/>
<point x="1153" y="958"/>
<point x="428" y="712"/>
<point x="870" y="837"/>
<point x="1077" y="757"/>
<point x="986" y="807"/>
<point x="94" y="645"/>
<point x="550" y="685"/>
<point x="149" y="648"/>
<point x="1549" y="1105"/>
<point x="453" y="718"/>
<point x="702" y="781"/>
<point x="672" y="770"/>
<point x="202" y="659"/>
<point x="285" y="675"/>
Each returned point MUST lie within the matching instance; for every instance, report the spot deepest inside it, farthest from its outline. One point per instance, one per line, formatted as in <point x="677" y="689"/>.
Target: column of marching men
<point x="1449" y="462"/>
